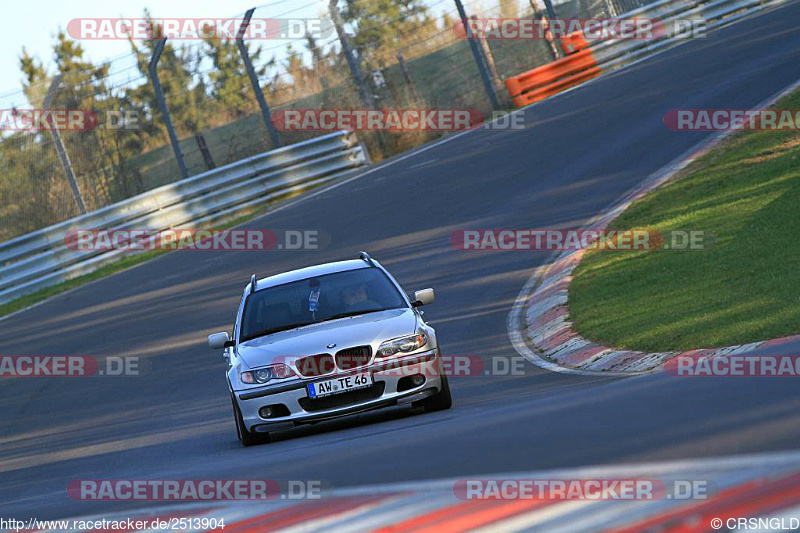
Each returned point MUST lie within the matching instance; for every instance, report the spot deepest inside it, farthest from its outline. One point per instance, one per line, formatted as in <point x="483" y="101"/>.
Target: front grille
<point x="315" y="365"/>
<point x="351" y="358"/>
<point x="341" y="400"/>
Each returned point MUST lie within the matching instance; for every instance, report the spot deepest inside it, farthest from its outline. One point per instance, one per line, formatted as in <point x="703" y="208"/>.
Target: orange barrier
<point x="578" y="66"/>
<point x="573" y="42"/>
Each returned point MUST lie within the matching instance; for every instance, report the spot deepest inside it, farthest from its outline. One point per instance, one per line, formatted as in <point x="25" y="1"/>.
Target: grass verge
<point x="743" y="286"/>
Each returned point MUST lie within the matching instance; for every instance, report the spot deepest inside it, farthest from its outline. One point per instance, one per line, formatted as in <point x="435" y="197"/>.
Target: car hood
<point x="370" y="329"/>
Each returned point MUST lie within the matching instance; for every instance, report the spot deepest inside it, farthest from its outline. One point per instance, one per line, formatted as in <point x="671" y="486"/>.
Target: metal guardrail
<point x="612" y="54"/>
<point x="31" y="262"/>
<point x="39" y="259"/>
<point x="594" y="57"/>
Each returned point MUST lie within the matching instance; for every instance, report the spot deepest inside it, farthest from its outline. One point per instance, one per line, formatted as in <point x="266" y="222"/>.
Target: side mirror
<point x="425" y="296"/>
<point x="218" y="341"/>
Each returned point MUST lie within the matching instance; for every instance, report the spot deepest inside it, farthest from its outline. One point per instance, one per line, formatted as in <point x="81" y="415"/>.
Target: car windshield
<point x="317" y="299"/>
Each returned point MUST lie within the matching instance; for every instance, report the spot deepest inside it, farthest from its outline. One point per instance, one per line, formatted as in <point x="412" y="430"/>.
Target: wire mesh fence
<point x="407" y="52"/>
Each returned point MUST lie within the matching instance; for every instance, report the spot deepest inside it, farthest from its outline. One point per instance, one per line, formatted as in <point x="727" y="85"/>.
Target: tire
<point x="439" y="401"/>
<point x="245" y="437"/>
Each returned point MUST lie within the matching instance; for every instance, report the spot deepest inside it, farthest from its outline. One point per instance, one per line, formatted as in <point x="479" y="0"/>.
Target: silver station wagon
<point x="327" y="341"/>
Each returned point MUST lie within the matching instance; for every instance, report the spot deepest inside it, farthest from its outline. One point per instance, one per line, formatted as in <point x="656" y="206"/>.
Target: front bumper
<point x="390" y="386"/>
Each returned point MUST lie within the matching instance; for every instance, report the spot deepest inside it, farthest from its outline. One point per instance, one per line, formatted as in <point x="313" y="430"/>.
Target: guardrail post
<point x="162" y="104"/>
<point x="251" y="73"/>
<point x="476" y="52"/>
<point x="62" y="152"/>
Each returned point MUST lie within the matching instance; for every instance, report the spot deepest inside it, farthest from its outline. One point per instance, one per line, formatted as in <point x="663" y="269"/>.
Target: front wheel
<point x="245" y="437"/>
<point x="439" y="401"/>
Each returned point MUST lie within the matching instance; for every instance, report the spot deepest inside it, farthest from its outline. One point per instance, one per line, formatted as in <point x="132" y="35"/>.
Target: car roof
<point x="310" y="272"/>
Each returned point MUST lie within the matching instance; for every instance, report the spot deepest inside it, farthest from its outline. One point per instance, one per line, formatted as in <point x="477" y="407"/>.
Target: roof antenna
<point x="365" y="257"/>
<point x="253" y="284"/>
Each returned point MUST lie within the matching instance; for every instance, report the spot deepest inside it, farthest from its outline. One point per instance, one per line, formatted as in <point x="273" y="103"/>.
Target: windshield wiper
<point x="295" y="326"/>
<point x="352" y="313"/>
<point x="276" y="330"/>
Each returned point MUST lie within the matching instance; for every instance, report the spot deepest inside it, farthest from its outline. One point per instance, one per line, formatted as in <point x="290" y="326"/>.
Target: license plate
<point x="339" y="385"/>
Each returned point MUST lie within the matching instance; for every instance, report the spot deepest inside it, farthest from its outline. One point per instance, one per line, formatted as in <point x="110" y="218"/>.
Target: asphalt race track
<point x="579" y="153"/>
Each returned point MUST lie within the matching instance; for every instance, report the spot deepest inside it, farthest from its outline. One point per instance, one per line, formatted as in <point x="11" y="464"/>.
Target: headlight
<point x="267" y="374"/>
<point x="402" y="345"/>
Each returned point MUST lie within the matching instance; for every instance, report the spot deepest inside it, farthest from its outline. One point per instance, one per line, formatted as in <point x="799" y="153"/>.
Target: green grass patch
<point x="48" y="292"/>
<point x="744" y="286"/>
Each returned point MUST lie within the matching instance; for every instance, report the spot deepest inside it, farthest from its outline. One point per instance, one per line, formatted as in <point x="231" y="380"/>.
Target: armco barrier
<point x="574" y="42"/>
<point x="552" y="78"/>
<point x="587" y="60"/>
<point x="39" y="259"/>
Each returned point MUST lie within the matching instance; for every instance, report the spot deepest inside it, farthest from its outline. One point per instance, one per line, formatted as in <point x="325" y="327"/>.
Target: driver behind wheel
<point x="356" y="299"/>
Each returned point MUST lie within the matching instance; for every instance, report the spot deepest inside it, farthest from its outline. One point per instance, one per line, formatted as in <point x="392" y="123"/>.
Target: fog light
<point x="276" y="410"/>
<point x="417" y="380"/>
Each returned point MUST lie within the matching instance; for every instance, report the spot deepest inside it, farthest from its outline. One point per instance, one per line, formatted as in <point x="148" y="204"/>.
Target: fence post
<point x="162" y="104"/>
<point x="476" y="52"/>
<point x="555" y="50"/>
<point x="611" y="9"/>
<point x="487" y="54"/>
<point x="551" y="15"/>
<point x="208" y="159"/>
<point x="251" y="72"/>
<point x="62" y="152"/>
<point x="323" y="80"/>
<point x="411" y="85"/>
<point x="352" y="63"/>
